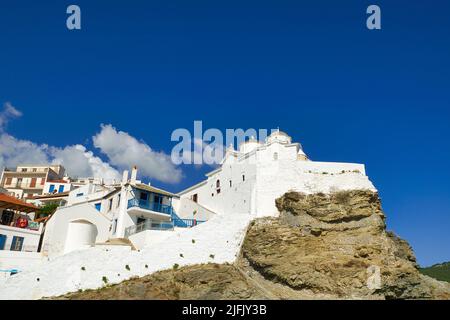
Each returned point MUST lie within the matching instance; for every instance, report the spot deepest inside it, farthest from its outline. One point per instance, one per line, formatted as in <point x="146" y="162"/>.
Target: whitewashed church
<point x="251" y="178"/>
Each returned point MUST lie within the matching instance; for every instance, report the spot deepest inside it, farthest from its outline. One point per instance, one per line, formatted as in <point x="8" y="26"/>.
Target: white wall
<point x="67" y="187"/>
<point x="149" y="238"/>
<point x="19" y="260"/>
<point x="31" y="237"/>
<point x="275" y="179"/>
<point x="57" y="228"/>
<point x="185" y="208"/>
<point x="217" y="240"/>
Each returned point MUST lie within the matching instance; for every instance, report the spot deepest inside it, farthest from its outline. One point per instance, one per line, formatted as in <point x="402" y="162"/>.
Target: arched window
<point x="275" y="156"/>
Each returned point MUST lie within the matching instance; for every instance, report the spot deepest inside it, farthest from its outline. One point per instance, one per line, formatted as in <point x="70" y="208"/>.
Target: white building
<point x="28" y="181"/>
<point x="96" y="214"/>
<point x="250" y="179"/>
<point x="18" y="232"/>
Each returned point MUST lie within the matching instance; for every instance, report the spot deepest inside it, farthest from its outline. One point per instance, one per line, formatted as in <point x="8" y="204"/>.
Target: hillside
<point x="321" y="247"/>
<point x="440" y="271"/>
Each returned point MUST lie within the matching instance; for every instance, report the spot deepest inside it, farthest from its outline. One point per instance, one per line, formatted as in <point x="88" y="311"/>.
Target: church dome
<point x="279" y="136"/>
<point x="249" y="145"/>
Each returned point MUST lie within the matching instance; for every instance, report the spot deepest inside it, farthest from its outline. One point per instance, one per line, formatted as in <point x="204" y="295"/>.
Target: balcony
<point x="149" y="209"/>
<point x="149" y="225"/>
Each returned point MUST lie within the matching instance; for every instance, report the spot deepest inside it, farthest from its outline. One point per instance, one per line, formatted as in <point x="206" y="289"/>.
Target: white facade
<point x="96" y="213"/>
<point x="249" y="180"/>
<point x="58" y="186"/>
<point x="29" y="238"/>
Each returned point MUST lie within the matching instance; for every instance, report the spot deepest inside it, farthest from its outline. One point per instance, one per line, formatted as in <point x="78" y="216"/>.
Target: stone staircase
<point x="117" y="242"/>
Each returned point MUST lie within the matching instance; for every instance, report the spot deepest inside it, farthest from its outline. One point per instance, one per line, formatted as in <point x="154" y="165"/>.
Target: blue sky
<point x="310" y="67"/>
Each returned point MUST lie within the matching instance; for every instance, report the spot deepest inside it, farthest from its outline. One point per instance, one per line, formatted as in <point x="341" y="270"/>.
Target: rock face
<point x="338" y="245"/>
<point x="332" y="246"/>
<point x="203" y="282"/>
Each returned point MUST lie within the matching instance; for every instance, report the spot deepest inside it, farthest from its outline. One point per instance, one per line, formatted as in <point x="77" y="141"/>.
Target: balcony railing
<point x="186" y="223"/>
<point x="153" y="206"/>
<point x="149" y="225"/>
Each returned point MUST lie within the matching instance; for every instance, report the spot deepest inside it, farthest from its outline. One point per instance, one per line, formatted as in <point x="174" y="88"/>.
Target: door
<point x="2" y="241"/>
<point x="33" y="183"/>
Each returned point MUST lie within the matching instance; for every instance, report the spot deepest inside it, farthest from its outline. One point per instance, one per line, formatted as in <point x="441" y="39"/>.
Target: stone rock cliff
<point x="323" y="246"/>
<point x="338" y="245"/>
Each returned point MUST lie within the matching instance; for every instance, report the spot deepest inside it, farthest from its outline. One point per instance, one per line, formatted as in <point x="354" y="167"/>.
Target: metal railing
<point x="149" y="225"/>
<point x="186" y="223"/>
<point x="153" y="206"/>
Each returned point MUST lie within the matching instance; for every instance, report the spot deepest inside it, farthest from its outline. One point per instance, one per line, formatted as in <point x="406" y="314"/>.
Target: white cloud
<point x="14" y="152"/>
<point x="9" y="112"/>
<point x="82" y="163"/>
<point x="124" y="151"/>
<point x="76" y="159"/>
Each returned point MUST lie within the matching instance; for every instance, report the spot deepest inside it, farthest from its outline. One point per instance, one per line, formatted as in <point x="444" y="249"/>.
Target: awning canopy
<point x="11" y="203"/>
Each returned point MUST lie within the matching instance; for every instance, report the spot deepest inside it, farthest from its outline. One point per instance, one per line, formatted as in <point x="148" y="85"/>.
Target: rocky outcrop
<point x="337" y="244"/>
<point x="322" y="246"/>
<point x="203" y="282"/>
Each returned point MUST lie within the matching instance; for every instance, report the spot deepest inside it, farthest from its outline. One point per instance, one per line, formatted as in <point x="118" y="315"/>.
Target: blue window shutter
<point x="52" y="187"/>
<point x="2" y="241"/>
<point x="61" y="189"/>
<point x="98" y="206"/>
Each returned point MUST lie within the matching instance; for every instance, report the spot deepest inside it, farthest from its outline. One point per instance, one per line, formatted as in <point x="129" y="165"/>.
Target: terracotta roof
<point x="9" y="202"/>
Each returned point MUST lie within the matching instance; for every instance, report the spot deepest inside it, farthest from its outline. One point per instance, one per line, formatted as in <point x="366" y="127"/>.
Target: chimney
<point x="133" y="175"/>
<point x="125" y="177"/>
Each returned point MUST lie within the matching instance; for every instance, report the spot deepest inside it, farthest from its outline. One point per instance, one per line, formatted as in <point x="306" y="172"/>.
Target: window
<point x="61" y="188"/>
<point x="24" y="170"/>
<point x="17" y="244"/>
<point x="218" y="186"/>
<point x="7" y="217"/>
<point x="110" y="204"/>
<point x="98" y="206"/>
<point x="2" y="241"/>
<point x="51" y="188"/>
<point x="115" y="226"/>
<point x="243" y="177"/>
<point x="8" y="181"/>
<point x="79" y="194"/>
<point x="275" y="156"/>
<point x="231" y="184"/>
<point x="118" y="200"/>
<point x="33" y="183"/>
<point x="158" y="199"/>
<point x="143" y="196"/>
<point x="195" y="197"/>
<point x="42" y="181"/>
<point x="34" y="170"/>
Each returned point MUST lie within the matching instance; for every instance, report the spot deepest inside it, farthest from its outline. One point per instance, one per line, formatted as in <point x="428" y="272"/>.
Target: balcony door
<point x="143" y="199"/>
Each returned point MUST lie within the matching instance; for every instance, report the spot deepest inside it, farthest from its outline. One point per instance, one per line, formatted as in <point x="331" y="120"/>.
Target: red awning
<point x="11" y="203"/>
